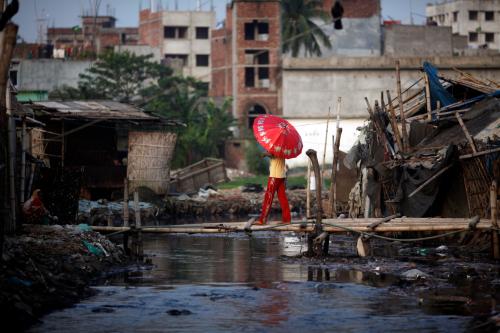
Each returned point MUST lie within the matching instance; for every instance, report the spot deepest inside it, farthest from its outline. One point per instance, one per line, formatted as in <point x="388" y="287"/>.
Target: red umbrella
<point x="277" y="136"/>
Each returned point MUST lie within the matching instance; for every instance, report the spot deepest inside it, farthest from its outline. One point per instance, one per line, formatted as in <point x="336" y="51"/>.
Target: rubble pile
<point x="49" y="267"/>
<point x="102" y="212"/>
<point x="433" y="152"/>
<point x="233" y="203"/>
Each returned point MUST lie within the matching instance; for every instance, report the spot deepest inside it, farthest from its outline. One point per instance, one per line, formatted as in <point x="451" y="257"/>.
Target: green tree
<point x="120" y="76"/>
<point x="299" y="31"/>
<point x="207" y="124"/>
<point x="256" y="164"/>
<point x="66" y="92"/>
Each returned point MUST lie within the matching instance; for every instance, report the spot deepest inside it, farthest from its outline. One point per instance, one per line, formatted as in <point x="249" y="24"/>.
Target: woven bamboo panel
<point x="477" y="186"/>
<point x="149" y="156"/>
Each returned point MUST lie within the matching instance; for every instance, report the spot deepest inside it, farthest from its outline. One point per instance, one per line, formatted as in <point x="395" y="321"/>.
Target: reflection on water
<point x="227" y="283"/>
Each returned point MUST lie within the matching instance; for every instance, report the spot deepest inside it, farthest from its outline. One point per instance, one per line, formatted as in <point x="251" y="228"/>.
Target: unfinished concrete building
<point x="183" y="38"/>
<point x="96" y="33"/>
<point x="246" y="56"/>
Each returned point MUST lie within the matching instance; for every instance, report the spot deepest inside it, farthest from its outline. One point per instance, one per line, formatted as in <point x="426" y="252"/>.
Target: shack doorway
<point x="253" y="112"/>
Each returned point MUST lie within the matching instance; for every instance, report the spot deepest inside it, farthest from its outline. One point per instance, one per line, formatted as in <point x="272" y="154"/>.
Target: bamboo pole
<point x="466" y="132"/>
<point x="437" y="174"/>
<point x="401" y="111"/>
<point x="63" y="143"/>
<point x="333" y="185"/>
<point x="12" y="160"/>
<point x="137" y="209"/>
<point x="428" y="96"/>
<point x="326" y="140"/>
<point x="311" y="153"/>
<point x="480" y="153"/>
<point x="394" y="123"/>
<point x="308" y="190"/>
<point x="395" y="225"/>
<point x="494" y="217"/>
<point x="22" y="180"/>
<point x="125" y="203"/>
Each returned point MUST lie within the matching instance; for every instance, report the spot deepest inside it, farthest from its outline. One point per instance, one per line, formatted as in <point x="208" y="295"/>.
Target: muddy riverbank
<point x="221" y="205"/>
<point x="44" y="268"/>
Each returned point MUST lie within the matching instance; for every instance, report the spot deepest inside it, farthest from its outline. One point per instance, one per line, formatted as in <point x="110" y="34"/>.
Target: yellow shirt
<point x="277" y="168"/>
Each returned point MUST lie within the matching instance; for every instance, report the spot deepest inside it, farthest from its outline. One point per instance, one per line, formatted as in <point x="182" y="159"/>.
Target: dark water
<point x="231" y="283"/>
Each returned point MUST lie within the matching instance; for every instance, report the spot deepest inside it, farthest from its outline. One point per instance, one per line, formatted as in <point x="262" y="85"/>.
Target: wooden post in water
<point x="23" y="162"/>
<point x="311" y="153"/>
<point x="494" y="219"/>
<point x="125" y="203"/>
<point x="137" y="209"/>
<point x="308" y="190"/>
<point x="138" y="233"/>
<point x="333" y="185"/>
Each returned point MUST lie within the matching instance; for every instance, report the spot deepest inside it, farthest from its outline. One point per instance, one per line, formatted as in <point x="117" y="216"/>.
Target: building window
<point x="249" y="77"/>
<point x="258" y="74"/>
<point x="253" y="112"/>
<point x="202" y="60"/>
<point x="455" y="16"/>
<point x="489" y="37"/>
<point x="13" y="77"/>
<point x="176" y="60"/>
<point x="201" y="32"/>
<point x="473" y="15"/>
<point x="174" y="32"/>
<point x="489" y="16"/>
<point x="124" y="38"/>
<point x="472" y="36"/>
<point x="257" y="30"/>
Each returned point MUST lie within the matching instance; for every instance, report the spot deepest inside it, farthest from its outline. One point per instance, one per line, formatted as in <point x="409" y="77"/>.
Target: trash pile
<point x="49" y="267"/>
<point x="233" y="204"/>
<point x="433" y="152"/>
<point x="103" y="212"/>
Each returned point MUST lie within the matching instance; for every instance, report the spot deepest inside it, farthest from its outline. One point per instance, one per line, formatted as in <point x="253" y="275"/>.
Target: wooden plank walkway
<point x="401" y="224"/>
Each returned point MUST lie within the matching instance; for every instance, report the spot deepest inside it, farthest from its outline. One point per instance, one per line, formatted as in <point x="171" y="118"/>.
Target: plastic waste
<point x="84" y="227"/>
<point x="19" y="282"/>
<point x="93" y="249"/>
<point x="414" y="274"/>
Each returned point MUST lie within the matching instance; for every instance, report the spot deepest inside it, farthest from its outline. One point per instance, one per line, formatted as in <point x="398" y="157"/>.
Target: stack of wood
<point x="390" y="120"/>
<point x="483" y="85"/>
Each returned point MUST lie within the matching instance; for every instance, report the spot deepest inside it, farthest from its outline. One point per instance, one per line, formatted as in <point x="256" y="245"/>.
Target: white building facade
<point x="182" y="37"/>
<point x="479" y="20"/>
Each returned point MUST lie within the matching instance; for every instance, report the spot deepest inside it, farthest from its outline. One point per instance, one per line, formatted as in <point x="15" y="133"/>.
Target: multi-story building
<point x="479" y="20"/>
<point x="96" y="33"/>
<point x="183" y="38"/>
<point x="246" y="57"/>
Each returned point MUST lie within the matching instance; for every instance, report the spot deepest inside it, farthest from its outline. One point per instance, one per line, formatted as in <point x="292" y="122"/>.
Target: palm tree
<point x="299" y="31"/>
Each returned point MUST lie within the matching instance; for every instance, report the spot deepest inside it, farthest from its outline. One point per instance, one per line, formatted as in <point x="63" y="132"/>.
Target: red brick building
<point x="95" y="34"/>
<point x="355" y="8"/>
<point x="252" y="36"/>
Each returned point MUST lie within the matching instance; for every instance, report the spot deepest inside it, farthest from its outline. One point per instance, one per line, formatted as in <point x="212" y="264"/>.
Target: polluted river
<point x="262" y="283"/>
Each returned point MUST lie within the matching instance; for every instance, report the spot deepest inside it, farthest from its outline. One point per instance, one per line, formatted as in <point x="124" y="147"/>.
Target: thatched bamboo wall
<point x="37" y="143"/>
<point x="149" y="156"/>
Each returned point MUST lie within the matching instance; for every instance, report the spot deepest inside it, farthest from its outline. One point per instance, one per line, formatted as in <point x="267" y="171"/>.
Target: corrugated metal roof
<point x="100" y="109"/>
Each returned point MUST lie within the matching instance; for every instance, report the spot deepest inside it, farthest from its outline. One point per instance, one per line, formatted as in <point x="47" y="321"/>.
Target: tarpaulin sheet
<point x="411" y="178"/>
<point x="437" y="90"/>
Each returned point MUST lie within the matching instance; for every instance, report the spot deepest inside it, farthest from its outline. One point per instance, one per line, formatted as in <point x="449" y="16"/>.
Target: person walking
<point x="281" y="141"/>
<point x="275" y="184"/>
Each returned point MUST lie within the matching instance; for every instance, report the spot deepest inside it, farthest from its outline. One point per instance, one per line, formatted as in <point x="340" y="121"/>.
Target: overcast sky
<point x="65" y="13"/>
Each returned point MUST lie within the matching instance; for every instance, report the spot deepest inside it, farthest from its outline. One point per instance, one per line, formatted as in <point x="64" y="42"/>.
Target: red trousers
<point x="275" y="185"/>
